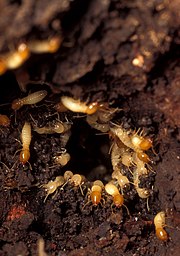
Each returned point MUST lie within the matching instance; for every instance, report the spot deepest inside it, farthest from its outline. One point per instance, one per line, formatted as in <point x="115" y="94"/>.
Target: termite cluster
<point x="128" y="153"/>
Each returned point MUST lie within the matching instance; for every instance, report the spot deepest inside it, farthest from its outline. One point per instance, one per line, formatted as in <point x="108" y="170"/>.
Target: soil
<point x="96" y="62"/>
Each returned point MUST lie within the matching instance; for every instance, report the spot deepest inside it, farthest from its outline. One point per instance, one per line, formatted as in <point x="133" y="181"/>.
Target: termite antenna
<point x="128" y="212"/>
<point x="34" y="121"/>
<point x="147" y="203"/>
<point x="9" y="169"/>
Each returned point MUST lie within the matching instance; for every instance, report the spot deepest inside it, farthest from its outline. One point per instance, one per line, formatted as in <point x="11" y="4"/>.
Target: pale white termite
<point x="50" y="45"/>
<point x="58" y="127"/>
<point x="52" y="186"/>
<point x="159" y="222"/>
<point x="26" y="140"/>
<point x="14" y="59"/>
<point x="78" y="106"/>
<point x="112" y="190"/>
<point x="32" y="98"/>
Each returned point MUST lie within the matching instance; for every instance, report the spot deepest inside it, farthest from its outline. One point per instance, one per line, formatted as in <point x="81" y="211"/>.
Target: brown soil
<point x="101" y="39"/>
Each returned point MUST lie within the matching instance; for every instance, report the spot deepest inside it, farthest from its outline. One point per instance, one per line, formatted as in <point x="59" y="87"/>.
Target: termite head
<point x="23" y="50"/>
<point x="143" y="192"/>
<point x="4" y="120"/>
<point x="96" y="191"/>
<point x="54" y="44"/>
<point x="161" y="234"/>
<point x="92" y="108"/>
<point x="24" y="156"/>
<point x="16" y="104"/>
<point x="95" y="197"/>
<point x="145" y="144"/>
<point x="143" y="157"/>
<point x="118" y="200"/>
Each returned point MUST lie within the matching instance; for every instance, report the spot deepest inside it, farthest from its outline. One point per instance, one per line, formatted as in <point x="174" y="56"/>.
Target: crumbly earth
<point x="95" y="62"/>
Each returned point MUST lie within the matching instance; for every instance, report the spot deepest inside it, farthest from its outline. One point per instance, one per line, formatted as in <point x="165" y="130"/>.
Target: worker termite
<point x="143" y="156"/>
<point x="57" y="127"/>
<point x="52" y="186"/>
<point x="4" y="120"/>
<point x="92" y="120"/>
<point x="123" y="135"/>
<point x="120" y="153"/>
<point x="159" y="222"/>
<point x="32" y="98"/>
<point x="14" y="59"/>
<point x="133" y="141"/>
<point x="121" y="179"/>
<point x="141" y="143"/>
<point x="26" y="140"/>
<point x="78" y="106"/>
<point x="140" y="170"/>
<point x="76" y="180"/>
<point x="50" y="45"/>
<point x="96" y="192"/>
<point x="100" y="119"/>
<point x="140" y="166"/>
<point x="62" y="159"/>
<point x="112" y="190"/>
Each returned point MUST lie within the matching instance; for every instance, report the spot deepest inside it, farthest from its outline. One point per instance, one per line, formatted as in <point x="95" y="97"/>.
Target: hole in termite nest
<point x="89" y="150"/>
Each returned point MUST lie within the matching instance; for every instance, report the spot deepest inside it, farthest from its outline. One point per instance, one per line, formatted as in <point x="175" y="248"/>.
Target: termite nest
<point x="55" y="123"/>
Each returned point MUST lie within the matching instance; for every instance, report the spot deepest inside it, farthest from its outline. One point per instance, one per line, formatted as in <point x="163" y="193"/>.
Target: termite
<point x="78" y="106"/>
<point x="112" y="190"/>
<point x="32" y="98"/>
<point x="123" y="135"/>
<point x="141" y="143"/>
<point x="26" y="140"/>
<point x="143" y="156"/>
<point x="76" y="180"/>
<point x="62" y="159"/>
<point x="96" y="192"/>
<point x="92" y="120"/>
<point x="45" y="46"/>
<point x="140" y="166"/>
<point x="14" y="59"/>
<point x="159" y="222"/>
<point x="105" y="113"/>
<point x="121" y="179"/>
<point x="4" y="120"/>
<point x="142" y="193"/>
<point x="52" y="186"/>
<point x="100" y="119"/>
<point x="58" y="127"/>
<point x="140" y="170"/>
<point x="135" y="141"/>
<point x="120" y="153"/>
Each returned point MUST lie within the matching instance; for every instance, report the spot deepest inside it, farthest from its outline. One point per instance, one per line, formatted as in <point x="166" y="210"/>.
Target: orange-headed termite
<point x="26" y="140"/>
